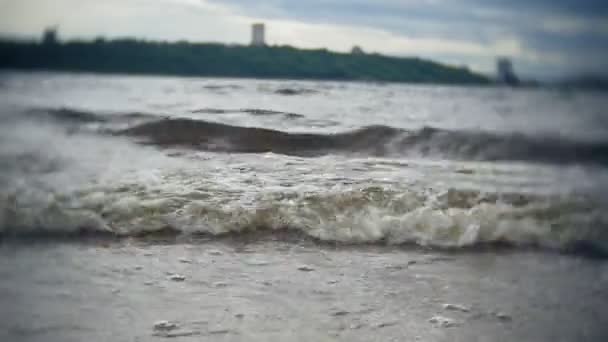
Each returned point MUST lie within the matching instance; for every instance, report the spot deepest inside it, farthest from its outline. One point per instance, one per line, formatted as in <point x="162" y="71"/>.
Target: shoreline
<point x="272" y="290"/>
<point x="293" y="237"/>
<point x="212" y="60"/>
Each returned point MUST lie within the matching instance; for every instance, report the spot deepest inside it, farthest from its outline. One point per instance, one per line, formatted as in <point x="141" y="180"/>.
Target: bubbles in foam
<point x="369" y="215"/>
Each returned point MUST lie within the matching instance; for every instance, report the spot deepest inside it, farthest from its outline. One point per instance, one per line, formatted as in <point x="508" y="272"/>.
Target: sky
<point x="546" y="39"/>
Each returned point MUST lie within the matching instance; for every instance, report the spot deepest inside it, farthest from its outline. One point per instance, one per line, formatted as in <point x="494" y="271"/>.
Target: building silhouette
<point x="357" y="50"/>
<point x="258" y="35"/>
<point x="49" y="36"/>
<point x="504" y="72"/>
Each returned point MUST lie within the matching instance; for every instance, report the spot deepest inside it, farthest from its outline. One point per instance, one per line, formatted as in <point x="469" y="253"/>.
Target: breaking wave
<point x="372" y="140"/>
<point x="450" y="219"/>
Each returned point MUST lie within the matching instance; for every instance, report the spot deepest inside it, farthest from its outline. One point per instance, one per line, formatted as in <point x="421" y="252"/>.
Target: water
<point x="351" y="178"/>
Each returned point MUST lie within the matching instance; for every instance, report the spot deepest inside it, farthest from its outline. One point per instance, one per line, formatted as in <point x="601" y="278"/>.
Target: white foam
<point x="165" y="325"/>
<point x="177" y="277"/>
<point x="456" y="307"/>
<point x="305" y="268"/>
<point x="502" y="316"/>
<point x="443" y="322"/>
<point x="363" y="216"/>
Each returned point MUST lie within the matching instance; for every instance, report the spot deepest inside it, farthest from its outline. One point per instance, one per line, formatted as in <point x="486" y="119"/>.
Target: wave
<point x="372" y="140"/>
<point x="74" y="116"/>
<point x="452" y="219"/>
<point x="295" y="91"/>
<point x="252" y="111"/>
<point x="381" y="141"/>
<point x="223" y="87"/>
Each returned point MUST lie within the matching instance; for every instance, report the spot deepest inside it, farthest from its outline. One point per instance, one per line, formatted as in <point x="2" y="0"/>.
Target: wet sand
<point x="295" y="291"/>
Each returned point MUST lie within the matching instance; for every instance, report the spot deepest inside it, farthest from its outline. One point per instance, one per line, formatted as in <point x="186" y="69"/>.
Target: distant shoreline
<point x="134" y="57"/>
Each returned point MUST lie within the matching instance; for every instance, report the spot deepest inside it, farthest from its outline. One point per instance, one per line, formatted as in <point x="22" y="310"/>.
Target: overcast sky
<point x="545" y="38"/>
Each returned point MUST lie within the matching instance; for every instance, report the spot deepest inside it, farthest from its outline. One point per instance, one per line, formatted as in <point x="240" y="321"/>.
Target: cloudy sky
<point x="545" y="38"/>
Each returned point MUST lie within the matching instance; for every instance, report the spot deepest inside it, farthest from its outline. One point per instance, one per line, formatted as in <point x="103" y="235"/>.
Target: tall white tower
<point x="257" y="35"/>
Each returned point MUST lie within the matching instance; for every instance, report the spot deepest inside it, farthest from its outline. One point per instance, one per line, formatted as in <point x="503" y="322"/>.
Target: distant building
<point x="258" y="35"/>
<point x="49" y="37"/>
<point x="357" y="50"/>
<point x="505" y="73"/>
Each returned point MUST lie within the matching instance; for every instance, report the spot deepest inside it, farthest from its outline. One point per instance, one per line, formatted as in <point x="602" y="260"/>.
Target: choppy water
<point x="250" y="210"/>
<point x="346" y="162"/>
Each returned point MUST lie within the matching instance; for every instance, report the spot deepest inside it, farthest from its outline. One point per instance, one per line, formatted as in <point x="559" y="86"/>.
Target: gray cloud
<point x="573" y="32"/>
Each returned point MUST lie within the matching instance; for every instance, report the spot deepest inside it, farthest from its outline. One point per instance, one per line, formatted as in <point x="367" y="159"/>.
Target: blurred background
<point x="563" y="40"/>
